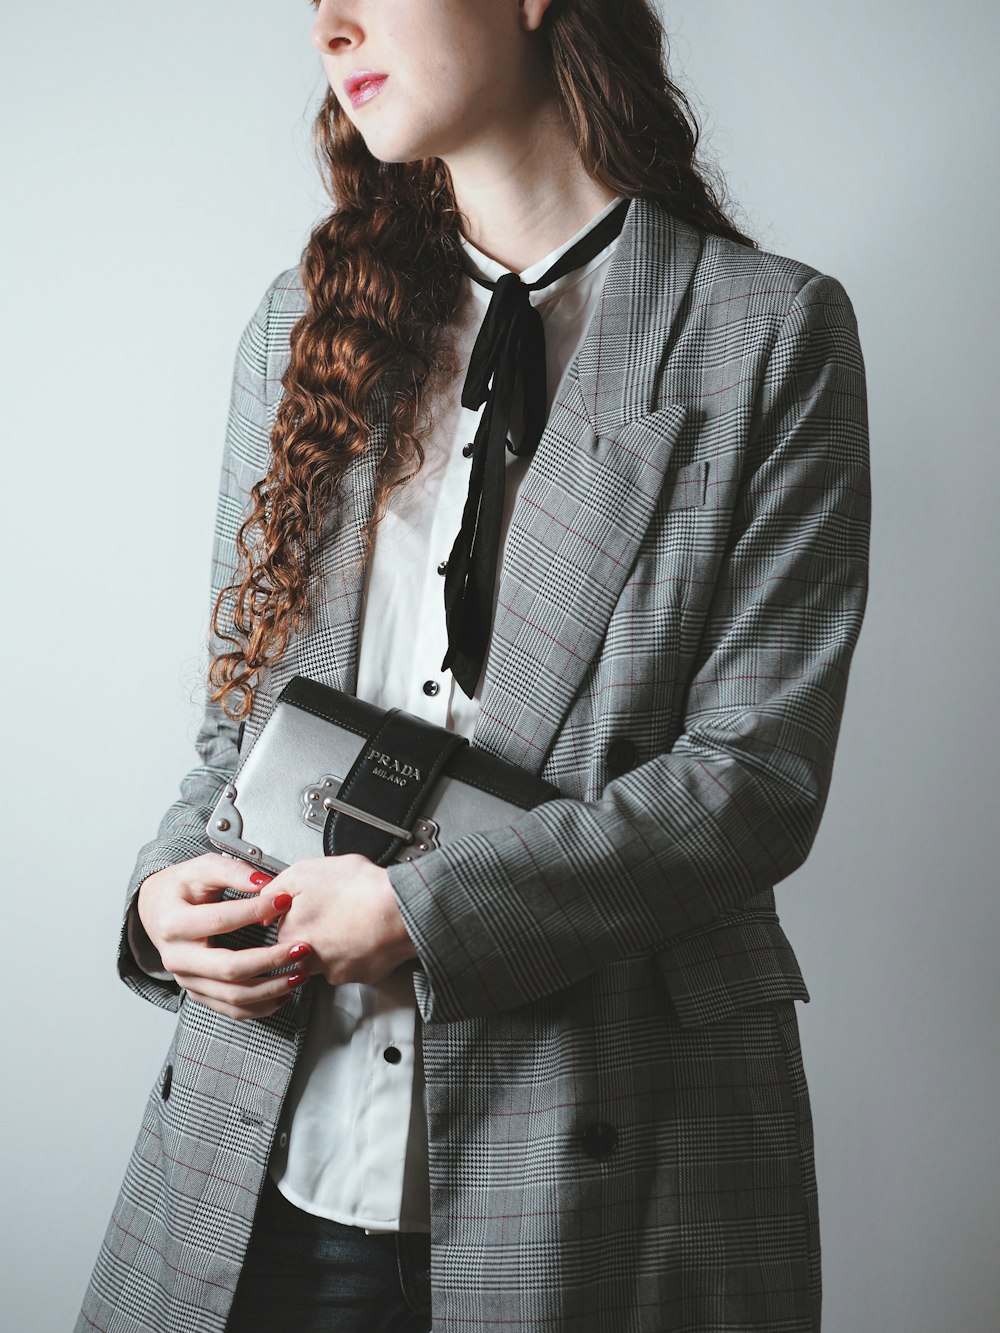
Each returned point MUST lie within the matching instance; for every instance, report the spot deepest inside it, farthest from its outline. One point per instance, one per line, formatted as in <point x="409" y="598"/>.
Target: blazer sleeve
<point x="503" y="918"/>
<point x="182" y="834"/>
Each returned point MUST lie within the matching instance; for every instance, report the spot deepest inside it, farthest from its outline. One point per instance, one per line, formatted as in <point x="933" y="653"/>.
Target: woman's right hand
<point x="181" y="910"/>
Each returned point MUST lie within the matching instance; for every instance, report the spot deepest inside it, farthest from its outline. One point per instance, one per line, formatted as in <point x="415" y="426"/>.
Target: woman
<point x="556" y="1065"/>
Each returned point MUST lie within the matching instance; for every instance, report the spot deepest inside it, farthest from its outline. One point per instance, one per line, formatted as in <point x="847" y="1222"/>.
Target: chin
<point x="392" y="155"/>
<point x="386" y="151"/>
<point x="390" y="143"/>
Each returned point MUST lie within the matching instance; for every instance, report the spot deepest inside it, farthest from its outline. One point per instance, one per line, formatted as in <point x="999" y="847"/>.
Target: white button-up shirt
<point x="352" y="1144"/>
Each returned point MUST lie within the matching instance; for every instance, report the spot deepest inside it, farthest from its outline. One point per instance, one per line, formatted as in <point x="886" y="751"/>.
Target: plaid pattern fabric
<point x="620" y="1137"/>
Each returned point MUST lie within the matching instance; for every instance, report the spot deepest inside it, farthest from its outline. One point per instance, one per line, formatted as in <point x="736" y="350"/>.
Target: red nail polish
<point x="282" y="902"/>
<point x="258" y="879"/>
<point x="294" y="979"/>
<point x="298" y="951"/>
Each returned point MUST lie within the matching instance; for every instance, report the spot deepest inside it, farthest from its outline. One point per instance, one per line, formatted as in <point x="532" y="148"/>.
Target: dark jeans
<point x="314" y="1276"/>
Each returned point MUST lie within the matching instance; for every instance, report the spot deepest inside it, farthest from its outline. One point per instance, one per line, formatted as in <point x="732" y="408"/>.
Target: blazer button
<point x="168" y="1078"/>
<point x="622" y="756"/>
<point x="599" y="1139"/>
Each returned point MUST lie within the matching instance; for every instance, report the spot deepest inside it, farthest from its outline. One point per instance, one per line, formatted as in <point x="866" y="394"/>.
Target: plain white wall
<point x="156" y="174"/>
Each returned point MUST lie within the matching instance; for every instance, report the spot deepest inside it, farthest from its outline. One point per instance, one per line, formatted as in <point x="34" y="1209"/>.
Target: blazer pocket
<point x="712" y="973"/>
<point x="687" y="487"/>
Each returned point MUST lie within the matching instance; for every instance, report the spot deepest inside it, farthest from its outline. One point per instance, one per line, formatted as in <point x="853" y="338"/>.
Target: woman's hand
<point x="180" y="909"/>
<point x="345" y="909"/>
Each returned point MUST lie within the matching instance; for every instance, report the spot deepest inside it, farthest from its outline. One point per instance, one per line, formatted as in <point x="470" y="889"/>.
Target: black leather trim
<point x="391" y="777"/>
<point x="468" y="764"/>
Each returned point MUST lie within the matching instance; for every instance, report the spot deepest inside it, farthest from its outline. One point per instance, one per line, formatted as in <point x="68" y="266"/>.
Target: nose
<point x="334" y="30"/>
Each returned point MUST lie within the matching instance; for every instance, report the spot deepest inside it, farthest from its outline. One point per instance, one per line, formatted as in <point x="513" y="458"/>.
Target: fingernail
<point x="298" y="951"/>
<point x="282" y="902"/>
<point x="294" y="979"/>
<point x="258" y="879"/>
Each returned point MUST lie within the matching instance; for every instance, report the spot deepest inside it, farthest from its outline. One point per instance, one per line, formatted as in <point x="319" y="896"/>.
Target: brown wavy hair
<point x="382" y="275"/>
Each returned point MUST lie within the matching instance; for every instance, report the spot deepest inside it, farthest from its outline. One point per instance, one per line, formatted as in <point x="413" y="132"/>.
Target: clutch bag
<point x="329" y="774"/>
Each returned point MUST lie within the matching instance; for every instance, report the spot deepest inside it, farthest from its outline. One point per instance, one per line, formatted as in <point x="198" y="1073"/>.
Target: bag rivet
<point x="222" y="825"/>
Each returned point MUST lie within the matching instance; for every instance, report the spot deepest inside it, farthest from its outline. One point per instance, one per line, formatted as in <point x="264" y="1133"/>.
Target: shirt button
<point x="467" y="450"/>
<point x="431" y="687"/>
<point x="391" y="1055"/>
<point x="282" y="1140"/>
<point x="443" y="567"/>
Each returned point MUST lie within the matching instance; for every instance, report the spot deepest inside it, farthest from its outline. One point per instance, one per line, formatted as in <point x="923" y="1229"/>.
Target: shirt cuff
<point x="144" y="951"/>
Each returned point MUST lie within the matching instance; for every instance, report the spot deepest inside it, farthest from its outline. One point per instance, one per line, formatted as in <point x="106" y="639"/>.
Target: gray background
<point x="156" y="175"/>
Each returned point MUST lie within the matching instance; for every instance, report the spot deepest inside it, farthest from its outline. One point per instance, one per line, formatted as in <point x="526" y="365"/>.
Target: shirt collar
<point x="492" y="270"/>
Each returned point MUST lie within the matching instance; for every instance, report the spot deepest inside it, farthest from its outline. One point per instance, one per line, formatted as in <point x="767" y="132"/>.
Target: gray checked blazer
<point x="619" y="1126"/>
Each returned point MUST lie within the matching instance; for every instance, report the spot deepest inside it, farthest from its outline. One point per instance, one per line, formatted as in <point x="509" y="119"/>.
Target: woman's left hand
<point x="344" y="909"/>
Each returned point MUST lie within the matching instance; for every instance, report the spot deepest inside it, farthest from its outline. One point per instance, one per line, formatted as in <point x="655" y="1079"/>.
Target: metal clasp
<point x="318" y="800"/>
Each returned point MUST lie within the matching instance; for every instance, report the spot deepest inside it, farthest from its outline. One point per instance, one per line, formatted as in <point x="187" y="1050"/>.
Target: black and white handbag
<point x="329" y="774"/>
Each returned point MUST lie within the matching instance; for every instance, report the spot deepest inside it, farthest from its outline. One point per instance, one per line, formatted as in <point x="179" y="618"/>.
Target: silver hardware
<point x="421" y="839"/>
<point x="426" y="832"/>
<point x="313" y="813"/>
<point x="355" y="812"/>
<point x="227" y="821"/>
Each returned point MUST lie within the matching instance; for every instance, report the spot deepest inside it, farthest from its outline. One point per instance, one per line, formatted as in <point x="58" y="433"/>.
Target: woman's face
<point x="455" y="77"/>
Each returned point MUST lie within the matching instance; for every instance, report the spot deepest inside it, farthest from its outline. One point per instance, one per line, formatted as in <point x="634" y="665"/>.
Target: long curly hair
<point x="383" y="276"/>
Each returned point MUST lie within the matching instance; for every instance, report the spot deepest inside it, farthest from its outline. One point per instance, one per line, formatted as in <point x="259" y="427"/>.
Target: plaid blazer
<point x="619" y="1126"/>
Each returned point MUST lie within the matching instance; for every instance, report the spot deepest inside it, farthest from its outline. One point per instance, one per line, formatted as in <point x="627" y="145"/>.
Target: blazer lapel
<point x="589" y="494"/>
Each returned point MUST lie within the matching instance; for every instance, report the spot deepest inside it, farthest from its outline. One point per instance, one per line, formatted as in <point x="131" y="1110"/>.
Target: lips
<point x="363" y="85"/>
